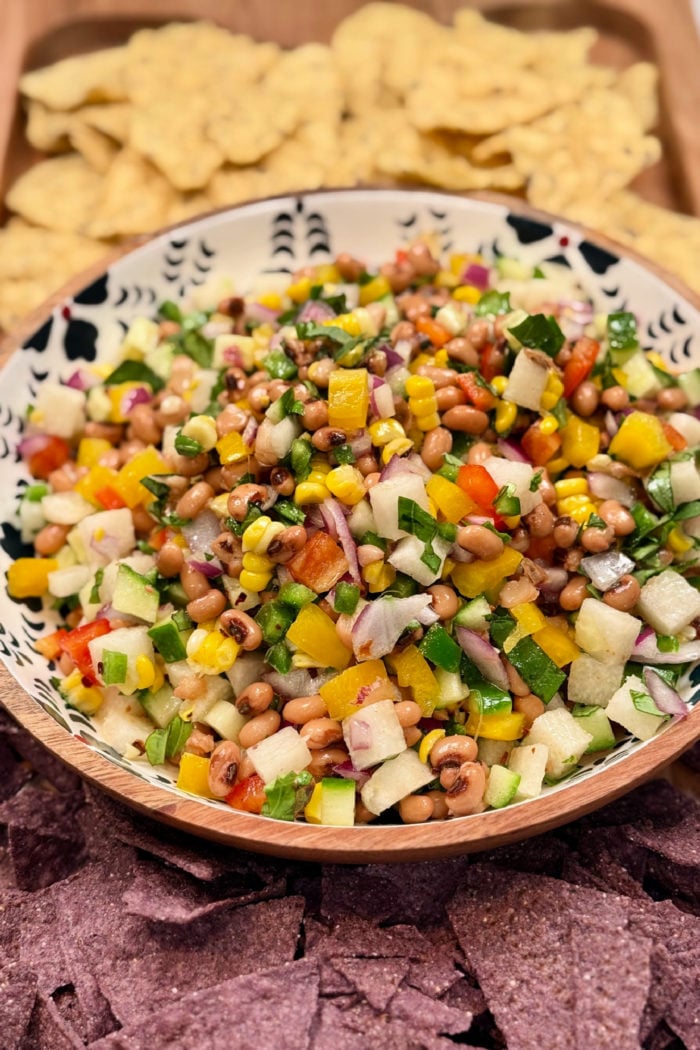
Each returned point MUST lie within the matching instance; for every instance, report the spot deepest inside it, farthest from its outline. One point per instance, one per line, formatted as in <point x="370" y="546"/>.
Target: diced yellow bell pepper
<point x="678" y="542"/>
<point x="580" y="441"/>
<point x="375" y="289"/>
<point x="90" y="450"/>
<point x="300" y="290"/>
<point x="128" y="480"/>
<point x="98" y="477"/>
<point x="529" y="617"/>
<point x="232" y="449"/>
<point x="327" y="273"/>
<point x="312" y="809"/>
<point x="557" y="644"/>
<point x="467" y="293"/>
<point x="473" y="578"/>
<point x="193" y="775"/>
<point x="378" y="576"/>
<point x="348" y="398"/>
<point x="346" y="692"/>
<point x="314" y="633"/>
<point x="426" y="744"/>
<point x="640" y="442"/>
<point x="508" y="725"/>
<point x="29" y="577"/>
<point x="117" y="395"/>
<point x="449" y="498"/>
<point x="414" y="672"/>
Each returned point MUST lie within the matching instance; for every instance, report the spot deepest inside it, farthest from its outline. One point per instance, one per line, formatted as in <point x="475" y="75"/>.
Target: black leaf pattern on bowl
<point x="528" y="231"/>
<point x="80" y="340"/>
<point x="95" y="293"/>
<point x="597" y="258"/>
<point x="40" y="340"/>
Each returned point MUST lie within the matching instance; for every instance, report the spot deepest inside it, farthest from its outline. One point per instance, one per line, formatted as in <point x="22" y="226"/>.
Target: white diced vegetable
<point x="31" y="519"/>
<point x="132" y="642"/>
<point x="566" y="741"/>
<point x="214" y="690"/>
<point x="606" y="633"/>
<point x="120" y="722"/>
<point x="593" y="682"/>
<point x="64" y="582"/>
<point x="361" y="519"/>
<point x="106" y="536"/>
<point x="59" y="410"/>
<point x="406" y="557"/>
<point x="642" y="380"/>
<point x="685" y="481"/>
<point x="452" y="317"/>
<point x="201" y="393"/>
<point x="65" y="508"/>
<point x="275" y="756"/>
<point x="519" y="475"/>
<point x="528" y="379"/>
<point x="494" y="752"/>
<point x="452" y="689"/>
<point x="248" y="668"/>
<point x="384" y="498"/>
<point x="238" y="597"/>
<point x="232" y="349"/>
<point x="143" y="336"/>
<point x="625" y="708"/>
<point x="530" y="760"/>
<point x="275" y="439"/>
<point x="373" y="733"/>
<point x="668" y="602"/>
<point x="686" y="425"/>
<point x="395" y="779"/>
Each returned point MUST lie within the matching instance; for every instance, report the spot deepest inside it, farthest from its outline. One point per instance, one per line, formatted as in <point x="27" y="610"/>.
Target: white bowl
<point x="276" y="236"/>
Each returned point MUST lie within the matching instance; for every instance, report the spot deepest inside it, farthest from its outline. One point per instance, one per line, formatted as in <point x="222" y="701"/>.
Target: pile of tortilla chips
<point x="191" y="117"/>
<point x="119" y="934"/>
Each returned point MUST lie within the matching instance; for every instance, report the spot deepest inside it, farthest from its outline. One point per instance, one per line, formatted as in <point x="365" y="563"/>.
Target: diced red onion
<point x="81" y="380"/>
<point x="611" y="424"/>
<point x="210" y="569"/>
<point x="300" y="682"/>
<point x="603" y="486"/>
<point x="606" y="569"/>
<point x="31" y="445"/>
<point x="666" y="699"/>
<point x="399" y="465"/>
<point x="427" y="617"/>
<point x="108" y="546"/>
<point x="555" y="580"/>
<point x="347" y="771"/>
<point x="484" y="655"/>
<point x="647" y="651"/>
<point x="368" y="554"/>
<point x="476" y="275"/>
<point x="511" y="450"/>
<point x="393" y="359"/>
<point x="260" y="314"/>
<point x="249" y="432"/>
<point x="201" y="532"/>
<point x="139" y="395"/>
<point x="403" y="349"/>
<point x="315" y="310"/>
<point x="459" y="554"/>
<point x="359" y="735"/>
<point x="276" y="340"/>
<point x="382" y="399"/>
<point x="381" y="623"/>
<point x="336" y="523"/>
<point x="232" y="356"/>
<point x="360" y="444"/>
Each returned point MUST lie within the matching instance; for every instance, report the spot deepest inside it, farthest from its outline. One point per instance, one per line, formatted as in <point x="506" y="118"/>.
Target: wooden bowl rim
<point x="367" y="843"/>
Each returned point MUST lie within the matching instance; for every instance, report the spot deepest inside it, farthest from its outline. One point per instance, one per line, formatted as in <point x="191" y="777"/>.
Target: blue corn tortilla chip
<point x="376" y="980"/>
<point x="273" y="1008"/>
<point x="357" y="937"/>
<point x="38" y="859"/>
<point x="39" y="758"/>
<point x="17" y="996"/>
<point x="359" y="1027"/>
<point x="13" y="773"/>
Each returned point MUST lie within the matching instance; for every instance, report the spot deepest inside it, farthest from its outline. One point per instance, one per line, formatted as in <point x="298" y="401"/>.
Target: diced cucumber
<point x="474" y="615"/>
<point x="642" y="380"/>
<point x="502" y="786"/>
<point x="225" y="719"/>
<point x="161" y="706"/>
<point x="530" y="761"/>
<point x="690" y="383"/>
<point x="494" y="752"/>
<point x="512" y="269"/>
<point x="135" y="594"/>
<point x="169" y="640"/>
<point x="595" y="721"/>
<point x="337" y="802"/>
<point x="452" y="688"/>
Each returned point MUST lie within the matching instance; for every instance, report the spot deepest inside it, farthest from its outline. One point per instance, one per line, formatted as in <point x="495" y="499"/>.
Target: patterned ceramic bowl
<point x="276" y="237"/>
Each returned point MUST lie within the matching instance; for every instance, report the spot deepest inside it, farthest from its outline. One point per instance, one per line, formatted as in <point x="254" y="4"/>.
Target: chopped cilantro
<point x="539" y="332"/>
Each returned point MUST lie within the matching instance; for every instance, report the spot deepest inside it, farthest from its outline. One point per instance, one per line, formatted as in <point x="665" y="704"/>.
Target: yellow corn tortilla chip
<point x="113" y="119"/>
<point x="46" y="129"/>
<point x="97" y="149"/>
<point x="59" y="193"/>
<point x="639" y="84"/>
<point x="72" y="82"/>
<point x="244" y="133"/>
<point x="170" y="132"/>
<point x="30" y="251"/>
<point x="416" y="156"/>
<point x="135" y="198"/>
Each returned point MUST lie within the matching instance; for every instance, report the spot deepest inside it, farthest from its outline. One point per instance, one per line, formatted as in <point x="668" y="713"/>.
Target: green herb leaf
<point x="622" y="331"/>
<point x="536" y="481"/>
<point x="311" y="330"/>
<point x="540" y="332"/>
<point x="659" y="488"/>
<point x="134" y="372"/>
<point x="287" y="796"/>
<point x="194" y="345"/>
<point x="187" y="446"/>
<point x="536" y="668"/>
<point x="289" y="511"/>
<point x="95" y="592"/>
<point x="170" y="311"/>
<point x="289" y="405"/>
<point x="157" y="488"/>
<point x="493" y="302"/>
<point x="279" y="366"/>
<point x="501" y="625"/>
<point x="643" y="702"/>
<point x="344" y="454"/>
<point x="156" y="744"/>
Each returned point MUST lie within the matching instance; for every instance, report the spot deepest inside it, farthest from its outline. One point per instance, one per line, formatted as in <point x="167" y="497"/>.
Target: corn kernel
<point x="419" y="361"/>
<point x="442" y="358"/>
<point x="398" y="447"/>
<point x="445" y="279"/>
<point x="426" y="423"/>
<point x="679" y="542"/>
<point x="549" y="424"/>
<point x="232" y="449"/>
<point x="552" y="392"/>
<point x="570" y="487"/>
<point x="347" y="484"/>
<point x="203" y="430"/>
<point x="271" y="300"/>
<point x="350" y="323"/>
<point x="499" y="384"/>
<point x="320" y="465"/>
<point x="300" y="290"/>
<point x="145" y="672"/>
<point x="254" y="581"/>
<point x="466" y="293"/>
<point x="378" y="576"/>
<point x="555" y="466"/>
<point x="420" y="386"/>
<point x="423" y="406"/>
<point x="257" y="562"/>
<point x="384" y="431"/>
<point x="506" y="412"/>
<point x="327" y="273"/>
<point x="310" y="492"/>
<point x="260" y="534"/>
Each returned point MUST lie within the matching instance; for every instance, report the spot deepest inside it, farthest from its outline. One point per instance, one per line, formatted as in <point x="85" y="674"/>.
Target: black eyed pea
<point x="223" y="768"/>
<point x="260" y="727"/>
<point x="255" y="698"/>
<point x="320" y="733"/>
<point x="242" y="628"/>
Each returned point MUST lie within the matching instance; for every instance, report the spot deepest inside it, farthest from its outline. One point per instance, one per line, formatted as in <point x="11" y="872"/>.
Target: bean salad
<point x="403" y="542"/>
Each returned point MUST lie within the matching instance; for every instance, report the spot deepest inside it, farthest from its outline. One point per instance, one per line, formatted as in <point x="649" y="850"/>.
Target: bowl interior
<point x="275" y="237"/>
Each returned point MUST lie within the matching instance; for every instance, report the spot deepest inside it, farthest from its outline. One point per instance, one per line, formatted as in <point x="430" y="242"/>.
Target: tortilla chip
<point x="97" y="149"/>
<point x="377" y="980"/>
<point x="95" y="77"/>
<point x="47" y="130"/>
<point x="68" y="180"/>
<point x="170" y="132"/>
<point x="413" y="155"/>
<point x="113" y="120"/>
<point x="135" y="198"/>
<point x="243" y="133"/>
<point x="17" y="994"/>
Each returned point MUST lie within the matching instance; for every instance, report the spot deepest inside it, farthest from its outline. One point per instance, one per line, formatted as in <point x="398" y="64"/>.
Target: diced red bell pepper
<point x="110" y="498"/>
<point x="538" y="447"/>
<point x="479" y="396"/>
<point x="674" y="437"/>
<point x="491" y="362"/>
<point x="319" y="564"/>
<point x="475" y="480"/>
<point x="75" y="643"/>
<point x="434" y="331"/>
<point x="580" y="364"/>
<point x="50" y="645"/>
<point x="52" y="455"/>
<point x="248" y="795"/>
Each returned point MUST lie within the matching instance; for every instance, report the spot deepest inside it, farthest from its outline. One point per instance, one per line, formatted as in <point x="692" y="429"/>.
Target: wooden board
<point x="34" y="33"/>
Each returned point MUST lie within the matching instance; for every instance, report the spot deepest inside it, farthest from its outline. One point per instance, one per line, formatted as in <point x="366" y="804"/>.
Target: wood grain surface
<point x="364" y="843"/>
<point x="36" y="32"/>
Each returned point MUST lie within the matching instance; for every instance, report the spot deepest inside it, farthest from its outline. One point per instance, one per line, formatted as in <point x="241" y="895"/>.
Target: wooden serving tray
<point x="34" y="33"/>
